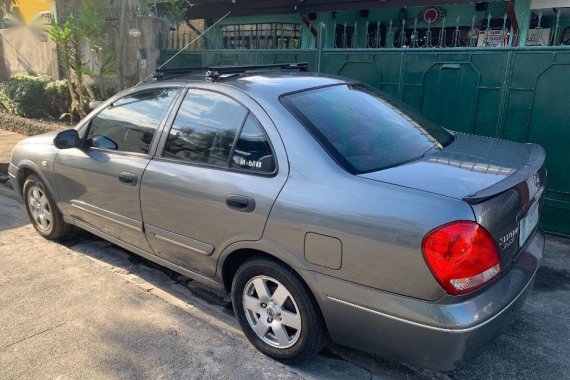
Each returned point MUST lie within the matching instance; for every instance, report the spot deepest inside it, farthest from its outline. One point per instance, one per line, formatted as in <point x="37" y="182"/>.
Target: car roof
<point x="273" y="84"/>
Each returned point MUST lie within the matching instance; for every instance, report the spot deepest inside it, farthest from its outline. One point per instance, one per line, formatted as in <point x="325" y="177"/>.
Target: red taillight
<point x="462" y="256"/>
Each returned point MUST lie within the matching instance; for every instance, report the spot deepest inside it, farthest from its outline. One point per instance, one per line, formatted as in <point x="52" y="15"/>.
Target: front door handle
<point x="240" y="203"/>
<point x="128" y="179"/>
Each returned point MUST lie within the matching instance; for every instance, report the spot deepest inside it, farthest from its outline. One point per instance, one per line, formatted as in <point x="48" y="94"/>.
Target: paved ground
<point x="87" y="309"/>
<point x="7" y="142"/>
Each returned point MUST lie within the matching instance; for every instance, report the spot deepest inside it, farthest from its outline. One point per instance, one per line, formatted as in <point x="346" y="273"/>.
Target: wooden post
<point x="122" y="41"/>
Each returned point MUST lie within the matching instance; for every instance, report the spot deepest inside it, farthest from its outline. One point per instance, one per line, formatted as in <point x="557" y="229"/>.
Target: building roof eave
<point x="203" y="9"/>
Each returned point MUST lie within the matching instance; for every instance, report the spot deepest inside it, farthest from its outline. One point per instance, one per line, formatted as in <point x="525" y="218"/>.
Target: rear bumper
<point x="438" y="335"/>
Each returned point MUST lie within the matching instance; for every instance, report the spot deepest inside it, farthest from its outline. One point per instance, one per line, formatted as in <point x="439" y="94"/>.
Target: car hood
<point x="46" y="138"/>
<point x="465" y="167"/>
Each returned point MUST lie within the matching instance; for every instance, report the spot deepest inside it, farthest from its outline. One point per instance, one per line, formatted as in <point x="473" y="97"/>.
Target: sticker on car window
<point x="250" y="163"/>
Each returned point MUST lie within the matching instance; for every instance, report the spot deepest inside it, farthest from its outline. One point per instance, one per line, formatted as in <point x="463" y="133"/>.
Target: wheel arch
<point x="232" y="259"/>
<point x="235" y="254"/>
<point x="27" y="168"/>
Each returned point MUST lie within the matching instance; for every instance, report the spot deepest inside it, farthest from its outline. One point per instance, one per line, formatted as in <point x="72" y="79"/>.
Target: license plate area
<point x="528" y="223"/>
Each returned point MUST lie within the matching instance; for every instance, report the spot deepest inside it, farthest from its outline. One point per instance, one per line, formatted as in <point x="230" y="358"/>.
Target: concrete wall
<point x="154" y="31"/>
<point x="25" y="50"/>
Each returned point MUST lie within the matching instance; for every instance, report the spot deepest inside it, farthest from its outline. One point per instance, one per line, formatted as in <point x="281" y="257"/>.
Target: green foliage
<point x="90" y="21"/>
<point x="91" y="25"/>
<point x="22" y="93"/>
<point x="67" y="39"/>
<point x="34" y="96"/>
<point x="88" y="24"/>
<point x="177" y="10"/>
<point x="57" y="99"/>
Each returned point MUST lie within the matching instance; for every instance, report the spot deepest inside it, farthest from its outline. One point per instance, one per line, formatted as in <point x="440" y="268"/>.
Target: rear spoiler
<point x="537" y="155"/>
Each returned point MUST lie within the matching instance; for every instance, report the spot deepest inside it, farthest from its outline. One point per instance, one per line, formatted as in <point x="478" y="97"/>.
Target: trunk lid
<point x="502" y="181"/>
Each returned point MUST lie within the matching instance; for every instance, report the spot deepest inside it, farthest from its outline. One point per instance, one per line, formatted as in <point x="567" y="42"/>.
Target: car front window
<point x="365" y="130"/>
<point x="205" y="128"/>
<point x="130" y="123"/>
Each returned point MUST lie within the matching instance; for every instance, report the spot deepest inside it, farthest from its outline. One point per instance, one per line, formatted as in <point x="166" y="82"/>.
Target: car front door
<point x="98" y="184"/>
<point x="214" y="180"/>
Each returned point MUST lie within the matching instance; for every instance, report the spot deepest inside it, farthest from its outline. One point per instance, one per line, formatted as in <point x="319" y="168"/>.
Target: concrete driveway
<point x="87" y="309"/>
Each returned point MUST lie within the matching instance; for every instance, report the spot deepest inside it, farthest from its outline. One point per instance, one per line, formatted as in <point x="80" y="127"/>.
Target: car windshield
<point x="365" y="130"/>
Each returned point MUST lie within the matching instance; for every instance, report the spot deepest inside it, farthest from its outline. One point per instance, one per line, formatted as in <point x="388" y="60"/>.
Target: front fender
<point x="45" y="173"/>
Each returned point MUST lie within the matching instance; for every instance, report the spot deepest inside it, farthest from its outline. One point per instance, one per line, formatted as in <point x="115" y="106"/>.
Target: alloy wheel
<point x="272" y="312"/>
<point x="39" y="208"/>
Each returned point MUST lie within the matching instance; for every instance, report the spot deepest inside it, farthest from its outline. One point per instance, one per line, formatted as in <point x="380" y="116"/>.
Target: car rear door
<point x="214" y="179"/>
<point x="98" y="184"/>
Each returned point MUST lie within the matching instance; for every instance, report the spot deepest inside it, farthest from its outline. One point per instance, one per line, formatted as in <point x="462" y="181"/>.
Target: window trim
<point x="159" y="156"/>
<point x="86" y="124"/>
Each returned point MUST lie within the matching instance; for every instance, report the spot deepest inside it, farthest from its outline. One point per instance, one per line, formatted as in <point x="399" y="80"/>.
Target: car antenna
<point x="185" y="47"/>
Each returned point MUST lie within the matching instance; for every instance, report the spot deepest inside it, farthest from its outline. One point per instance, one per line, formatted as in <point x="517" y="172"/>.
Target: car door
<point x="214" y="181"/>
<point x="98" y="184"/>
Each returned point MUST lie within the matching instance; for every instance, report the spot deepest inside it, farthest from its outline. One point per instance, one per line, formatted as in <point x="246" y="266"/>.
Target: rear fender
<point x="267" y="248"/>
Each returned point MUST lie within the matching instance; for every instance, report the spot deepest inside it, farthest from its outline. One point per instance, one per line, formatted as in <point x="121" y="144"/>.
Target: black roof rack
<point x="161" y="74"/>
<point x="213" y="73"/>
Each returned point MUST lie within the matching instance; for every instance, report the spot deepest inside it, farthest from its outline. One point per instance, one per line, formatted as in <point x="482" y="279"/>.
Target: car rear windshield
<point x="365" y="130"/>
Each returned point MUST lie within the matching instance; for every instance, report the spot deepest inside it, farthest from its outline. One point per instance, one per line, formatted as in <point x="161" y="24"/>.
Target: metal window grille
<point x="261" y="36"/>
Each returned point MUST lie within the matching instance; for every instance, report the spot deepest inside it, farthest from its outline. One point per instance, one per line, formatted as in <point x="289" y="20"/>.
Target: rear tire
<point x="276" y="311"/>
<point x="43" y="211"/>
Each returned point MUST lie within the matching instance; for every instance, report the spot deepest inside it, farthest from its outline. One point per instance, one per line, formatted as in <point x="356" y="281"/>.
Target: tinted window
<point x="205" y="128"/>
<point x="252" y="151"/>
<point x="365" y="130"/>
<point x="129" y="123"/>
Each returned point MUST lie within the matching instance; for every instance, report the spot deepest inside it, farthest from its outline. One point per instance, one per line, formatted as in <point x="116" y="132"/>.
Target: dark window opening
<point x="262" y="36"/>
<point x="343" y="36"/>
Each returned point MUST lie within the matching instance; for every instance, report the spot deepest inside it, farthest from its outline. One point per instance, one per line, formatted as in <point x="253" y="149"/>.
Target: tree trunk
<point x="122" y="41"/>
<point x="74" y="102"/>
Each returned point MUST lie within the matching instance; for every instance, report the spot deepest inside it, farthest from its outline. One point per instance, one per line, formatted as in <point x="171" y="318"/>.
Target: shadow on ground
<point x="12" y="214"/>
<point x="535" y="344"/>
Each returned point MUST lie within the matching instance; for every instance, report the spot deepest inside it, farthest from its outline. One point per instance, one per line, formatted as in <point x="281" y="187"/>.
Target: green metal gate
<point x="516" y="94"/>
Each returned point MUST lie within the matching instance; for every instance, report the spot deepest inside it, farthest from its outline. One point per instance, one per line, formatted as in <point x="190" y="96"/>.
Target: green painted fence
<point x="519" y="94"/>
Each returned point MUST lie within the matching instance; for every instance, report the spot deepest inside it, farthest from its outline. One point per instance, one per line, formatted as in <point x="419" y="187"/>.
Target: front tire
<point x="276" y="312"/>
<point x="43" y="211"/>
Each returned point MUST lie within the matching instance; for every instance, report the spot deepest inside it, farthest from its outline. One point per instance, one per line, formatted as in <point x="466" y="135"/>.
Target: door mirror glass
<point x="67" y="139"/>
<point x="102" y="142"/>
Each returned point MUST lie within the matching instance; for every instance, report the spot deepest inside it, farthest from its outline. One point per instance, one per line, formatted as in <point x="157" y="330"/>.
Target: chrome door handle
<point x="128" y="179"/>
<point x="240" y="203"/>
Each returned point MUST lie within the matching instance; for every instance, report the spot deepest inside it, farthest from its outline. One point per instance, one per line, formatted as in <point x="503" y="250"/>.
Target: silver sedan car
<point x="329" y="210"/>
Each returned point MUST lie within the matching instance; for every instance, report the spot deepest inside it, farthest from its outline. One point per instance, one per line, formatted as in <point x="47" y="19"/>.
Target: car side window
<point x="204" y="129"/>
<point x="129" y="124"/>
<point x="253" y="151"/>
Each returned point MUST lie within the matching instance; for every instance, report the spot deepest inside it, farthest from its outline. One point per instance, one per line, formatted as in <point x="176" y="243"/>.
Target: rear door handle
<point x="240" y="203"/>
<point x="128" y="179"/>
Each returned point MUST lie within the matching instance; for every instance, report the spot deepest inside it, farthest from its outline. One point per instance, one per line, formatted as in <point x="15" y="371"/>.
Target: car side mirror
<point x="67" y="139"/>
